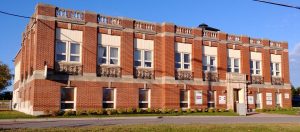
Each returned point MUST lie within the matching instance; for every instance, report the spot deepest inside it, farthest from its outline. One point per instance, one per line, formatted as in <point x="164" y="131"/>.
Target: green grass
<point x="13" y="115"/>
<point x="178" y="128"/>
<point x="20" y="115"/>
<point x="287" y="112"/>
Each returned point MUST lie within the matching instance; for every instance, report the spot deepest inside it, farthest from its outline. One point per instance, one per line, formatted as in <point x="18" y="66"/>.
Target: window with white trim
<point x="211" y="98"/>
<point x="108" y="55"/>
<point x="143" y="58"/>
<point x="67" y="98"/>
<point x="182" y="60"/>
<point x="108" y="100"/>
<point x="233" y="65"/>
<point x="184" y="98"/>
<point x="209" y="63"/>
<point x="144" y="98"/>
<point x="275" y="69"/>
<point x="255" y="67"/>
<point x="66" y="51"/>
<point x="278" y="99"/>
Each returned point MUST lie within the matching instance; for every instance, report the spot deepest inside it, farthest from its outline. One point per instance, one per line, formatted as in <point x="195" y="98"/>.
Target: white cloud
<point x="294" y="56"/>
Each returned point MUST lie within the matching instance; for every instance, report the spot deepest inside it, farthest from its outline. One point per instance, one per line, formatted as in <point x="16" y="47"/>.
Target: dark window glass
<point x="67" y="94"/>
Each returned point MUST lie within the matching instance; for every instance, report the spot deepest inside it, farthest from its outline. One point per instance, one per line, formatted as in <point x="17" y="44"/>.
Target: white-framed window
<point x="182" y="60"/>
<point x="258" y="101"/>
<point x="144" y="98"/>
<point x="275" y="69"/>
<point x="233" y="65"/>
<point x="184" y="99"/>
<point x="255" y="67"/>
<point x="143" y="58"/>
<point x="108" y="55"/>
<point x="278" y="99"/>
<point x="68" y="98"/>
<point x="109" y="98"/>
<point x="66" y="51"/>
<point x="209" y="63"/>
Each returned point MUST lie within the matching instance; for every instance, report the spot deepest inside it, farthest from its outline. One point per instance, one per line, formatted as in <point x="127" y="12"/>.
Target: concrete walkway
<point x="80" y="122"/>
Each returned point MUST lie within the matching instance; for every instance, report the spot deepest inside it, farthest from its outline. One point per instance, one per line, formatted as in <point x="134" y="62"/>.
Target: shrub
<point x="68" y="113"/>
<point x="80" y="112"/>
<point x="211" y="110"/>
<point x="163" y="111"/>
<point x="156" y="110"/>
<point x="179" y="111"/>
<point x="139" y="110"/>
<point x="91" y="112"/>
<point x="171" y="111"/>
<point x="47" y="112"/>
<point x="100" y="112"/>
<point x="206" y="110"/>
<point x="54" y="113"/>
<point x="120" y="111"/>
<point x="110" y="111"/>
<point x="198" y="110"/>
<point x="188" y="111"/>
<point x="222" y="110"/>
<point x="129" y="110"/>
<point x="149" y="110"/>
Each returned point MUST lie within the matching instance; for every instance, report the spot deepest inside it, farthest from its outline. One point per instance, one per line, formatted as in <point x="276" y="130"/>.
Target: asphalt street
<point x="80" y="122"/>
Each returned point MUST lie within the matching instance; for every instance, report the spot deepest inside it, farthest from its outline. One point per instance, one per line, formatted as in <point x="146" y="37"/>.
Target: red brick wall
<point x="222" y="61"/>
<point x="167" y="58"/>
<point x="197" y="54"/>
<point x="285" y="67"/>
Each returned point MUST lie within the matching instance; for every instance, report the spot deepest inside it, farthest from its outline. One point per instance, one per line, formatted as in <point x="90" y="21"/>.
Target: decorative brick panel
<point x="197" y="55"/>
<point x="89" y="49"/>
<point x="245" y="61"/>
<point x="285" y="67"/>
<point x="127" y="53"/>
<point x="266" y="60"/>
<point x="222" y="61"/>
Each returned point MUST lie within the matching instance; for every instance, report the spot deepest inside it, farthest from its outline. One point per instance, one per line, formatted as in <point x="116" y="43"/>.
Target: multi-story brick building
<point x="83" y="60"/>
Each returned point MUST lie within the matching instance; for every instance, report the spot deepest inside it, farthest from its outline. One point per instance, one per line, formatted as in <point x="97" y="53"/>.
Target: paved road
<point x="80" y="122"/>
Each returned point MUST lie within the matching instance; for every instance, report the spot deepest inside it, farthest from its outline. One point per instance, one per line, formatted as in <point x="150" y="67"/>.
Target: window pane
<point x="75" y="58"/>
<point x="257" y="71"/>
<point x="177" y="65"/>
<point x="186" y="66"/>
<point x="257" y="64"/>
<point x="204" y="68"/>
<point x="148" y="56"/>
<point x="213" y="68"/>
<point x="183" y="105"/>
<point x="67" y="94"/>
<point x="143" y="95"/>
<point x="137" y="55"/>
<point x="114" y="61"/>
<point x="204" y="60"/>
<point x="251" y="71"/>
<point x="137" y="63"/>
<point x="60" y="57"/>
<point x="211" y="96"/>
<point x="186" y="58"/>
<point x="251" y="64"/>
<point x="108" y="95"/>
<point x="67" y="105"/>
<point x="75" y="48"/>
<point x="229" y="62"/>
<point x="108" y="105"/>
<point x="212" y="61"/>
<point x="60" y="47"/>
<point x="101" y="55"/>
<point x="236" y="62"/>
<point x="183" y="95"/>
<point x="177" y="57"/>
<point x="277" y="66"/>
<point x="113" y="52"/>
<point x="143" y="105"/>
<point x="148" y="64"/>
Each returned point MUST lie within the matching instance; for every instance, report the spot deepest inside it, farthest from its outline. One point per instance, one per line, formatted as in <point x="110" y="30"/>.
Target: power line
<point x="279" y="4"/>
<point x="11" y="14"/>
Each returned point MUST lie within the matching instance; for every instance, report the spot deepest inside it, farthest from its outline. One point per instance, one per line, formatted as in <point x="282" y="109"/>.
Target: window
<point x="278" y="100"/>
<point x="184" y="99"/>
<point x="142" y="58"/>
<point x="67" y="99"/>
<point x="255" y="67"/>
<point x="258" y="101"/>
<point x="211" y="99"/>
<point x="182" y="61"/>
<point x="144" y="97"/>
<point x="108" y="98"/>
<point x="209" y="63"/>
<point x="233" y="65"/>
<point x="275" y="69"/>
<point x="67" y="51"/>
<point x="108" y="55"/>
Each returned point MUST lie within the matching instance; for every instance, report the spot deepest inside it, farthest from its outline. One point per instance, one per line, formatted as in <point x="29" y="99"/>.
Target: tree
<point x="5" y="76"/>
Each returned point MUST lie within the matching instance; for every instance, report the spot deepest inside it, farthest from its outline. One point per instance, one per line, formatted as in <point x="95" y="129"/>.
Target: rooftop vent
<point x="206" y="27"/>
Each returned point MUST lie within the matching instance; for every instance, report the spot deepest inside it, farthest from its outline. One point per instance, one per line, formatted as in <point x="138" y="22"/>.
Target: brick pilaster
<point x="168" y="44"/>
<point x="89" y="46"/>
<point x="266" y="60"/>
<point x="245" y="57"/>
<point x="127" y="47"/>
<point x="222" y="57"/>
<point x="197" y="53"/>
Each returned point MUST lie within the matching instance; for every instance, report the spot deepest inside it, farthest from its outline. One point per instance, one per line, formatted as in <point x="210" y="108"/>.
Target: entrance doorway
<point x="235" y="98"/>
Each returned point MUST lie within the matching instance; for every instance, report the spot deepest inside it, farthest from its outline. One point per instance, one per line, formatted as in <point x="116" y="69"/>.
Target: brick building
<point x="83" y="60"/>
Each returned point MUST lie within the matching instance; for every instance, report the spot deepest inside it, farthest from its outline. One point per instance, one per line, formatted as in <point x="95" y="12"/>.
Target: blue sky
<point x="244" y="17"/>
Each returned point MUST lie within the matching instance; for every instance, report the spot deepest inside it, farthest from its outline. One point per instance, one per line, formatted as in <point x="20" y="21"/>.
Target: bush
<point x="163" y="111"/>
<point x="100" y="112"/>
<point x="110" y="111"/>
<point x="129" y="110"/>
<point x="139" y="110"/>
<point x="91" y="112"/>
<point x="188" y="111"/>
<point x="171" y="111"/>
<point x="149" y="110"/>
<point x="54" y="113"/>
<point x="69" y="113"/>
<point x="222" y="110"/>
<point x="211" y="110"/>
<point x="120" y="111"/>
<point x="80" y="112"/>
<point x="180" y="111"/>
<point x="156" y="110"/>
<point x="198" y="110"/>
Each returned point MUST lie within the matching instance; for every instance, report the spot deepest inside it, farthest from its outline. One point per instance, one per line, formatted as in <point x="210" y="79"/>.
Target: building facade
<point x="71" y="60"/>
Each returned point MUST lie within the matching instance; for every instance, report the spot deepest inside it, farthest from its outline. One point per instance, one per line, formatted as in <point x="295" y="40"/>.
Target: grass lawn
<point x="180" y="128"/>
<point x="20" y="115"/>
<point x="13" y="115"/>
<point x="294" y="111"/>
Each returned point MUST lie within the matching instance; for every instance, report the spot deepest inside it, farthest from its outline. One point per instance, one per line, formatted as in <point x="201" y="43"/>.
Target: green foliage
<point x="69" y="113"/>
<point x="149" y="110"/>
<point x="5" y="76"/>
<point x="91" y="112"/>
<point x="100" y="112"/>
<point x="188" y="111"/>
<point x="138" y="110"/>
<point x="180" y="111"/>
<point x="129" y="110"/>
<point x="120" y="111"/>
<point x="211" y="110"/>
<point x="80" y="112"/>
